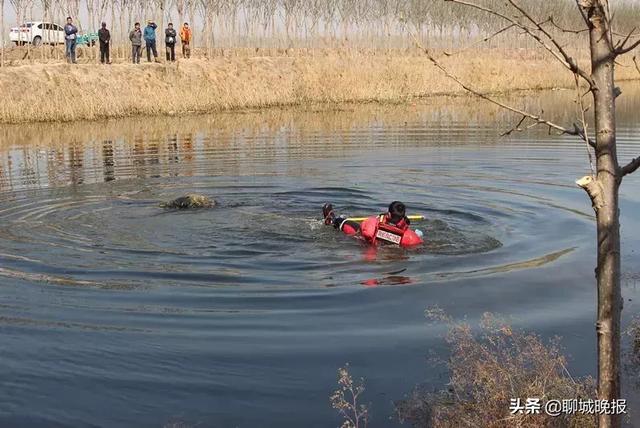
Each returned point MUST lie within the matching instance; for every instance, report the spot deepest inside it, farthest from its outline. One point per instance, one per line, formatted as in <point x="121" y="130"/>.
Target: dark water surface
<point x="116" y="312"/>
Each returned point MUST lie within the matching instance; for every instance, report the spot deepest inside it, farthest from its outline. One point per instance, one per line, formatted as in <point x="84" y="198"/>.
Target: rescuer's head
<point x="397" y="211"/>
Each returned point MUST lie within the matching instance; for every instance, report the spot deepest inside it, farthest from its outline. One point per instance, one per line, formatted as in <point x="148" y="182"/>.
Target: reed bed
<point x="254" y="54"/>
<point x="61" y="92"/>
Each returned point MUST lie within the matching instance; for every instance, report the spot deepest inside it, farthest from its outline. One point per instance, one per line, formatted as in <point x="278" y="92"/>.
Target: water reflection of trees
<point x="254" y="143"/>
<point x="76" y="164"/>
<point x="108" y="161"/>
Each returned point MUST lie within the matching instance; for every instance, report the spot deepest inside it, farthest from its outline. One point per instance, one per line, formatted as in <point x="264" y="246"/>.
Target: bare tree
<point x="191" y="7"/>
<point x="162" y="5"/>
<point x="314" y="14"/>
<point x="208" y="9"/>
<point x="121" y="6"/>
<point x="290" y="9"/>
<point x="180" y="6"/>
<point x="46" y="30"/>
<point x="20" y="8"/>
<point x="204" y="8"/>
<point x="91" y="11"/>
<point x="72" y="8"/>
<point x="132" y="15"/>
<point x="603" y="184"/>
<point x="2" y="29"/>
<point x="268" y="9"/>
<point x="236" y="23"/>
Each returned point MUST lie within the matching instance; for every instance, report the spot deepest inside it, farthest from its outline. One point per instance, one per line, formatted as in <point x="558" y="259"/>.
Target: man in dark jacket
<point x="105" y="38"/>
<point x="70" y="32"/>
<point x="170" y="41"/>
<point x="136" y="43"/>
<point x="150" y="40"/>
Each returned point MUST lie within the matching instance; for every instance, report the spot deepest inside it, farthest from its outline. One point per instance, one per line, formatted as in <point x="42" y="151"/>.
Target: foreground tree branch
<point x="635" y="62"/>
<point x="620" y="50"/>
<point x="561" y="55"/>
<point x="479" y="42"/>
<point x="620" y="45"/>
<point x="631" y="167"/>
<point x="537" y="119"/>
<point x="567" y="30"/>
<point x="602" y="186"/>
<point x="573" y="66"/>
<point x="583" y="120"/>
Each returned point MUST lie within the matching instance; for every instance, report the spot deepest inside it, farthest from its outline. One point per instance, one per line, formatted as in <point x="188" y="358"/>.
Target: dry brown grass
<point x="61" y="92"/>
<point x="491" y="367"/>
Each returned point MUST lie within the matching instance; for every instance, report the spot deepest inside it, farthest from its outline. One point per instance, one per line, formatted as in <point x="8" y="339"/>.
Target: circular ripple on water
<point x="114" y="235"/>
<point x="265" y="231"/>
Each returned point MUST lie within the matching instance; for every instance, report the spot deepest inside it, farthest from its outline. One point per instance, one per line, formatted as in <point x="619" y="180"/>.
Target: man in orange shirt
<point x="185" y="36"/>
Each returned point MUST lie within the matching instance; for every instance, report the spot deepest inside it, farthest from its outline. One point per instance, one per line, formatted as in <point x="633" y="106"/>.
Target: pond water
<point x="117" y="312"/>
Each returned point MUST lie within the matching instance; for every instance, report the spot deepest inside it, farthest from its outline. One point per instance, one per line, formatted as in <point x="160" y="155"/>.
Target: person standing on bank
<point x="70" y="32"/>
<point x="105" y="38"/>
<point x="185" y="36"/>
<point x="150" y="40"/>
<point x="136" y="43"/>
<point x="170" y="41"/>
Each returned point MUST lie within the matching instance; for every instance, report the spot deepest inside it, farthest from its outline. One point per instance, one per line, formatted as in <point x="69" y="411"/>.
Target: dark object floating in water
<point x="191" y="200"/>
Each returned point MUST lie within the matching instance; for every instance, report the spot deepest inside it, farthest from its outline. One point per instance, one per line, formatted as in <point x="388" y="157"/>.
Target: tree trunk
<point x="125" y="46"/>
<point x="192" y="24"/>
<point x="114" y="34"/>
<point x="46" y="33"/>
<point x="604" y="195"/>
<point x="180" y="18"/>
<point x="2" y="29"/>
<point x="30" y="37"/>
<point x="161" y="35"/>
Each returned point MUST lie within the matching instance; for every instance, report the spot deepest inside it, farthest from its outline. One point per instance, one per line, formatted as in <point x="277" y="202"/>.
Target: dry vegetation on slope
<point x="61" y="92"/>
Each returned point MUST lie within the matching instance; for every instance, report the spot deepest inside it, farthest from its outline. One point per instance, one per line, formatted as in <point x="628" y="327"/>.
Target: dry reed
<point x="61" y="92"/>
<point x="490" y="367"/>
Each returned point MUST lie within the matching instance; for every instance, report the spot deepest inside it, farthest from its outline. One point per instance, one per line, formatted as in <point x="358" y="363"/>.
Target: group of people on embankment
<point x="137" y="36"/>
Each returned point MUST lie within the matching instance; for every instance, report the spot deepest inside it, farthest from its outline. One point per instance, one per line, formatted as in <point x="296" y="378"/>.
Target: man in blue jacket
<point x="150" y="40"/>
<point x="70" y="33"/>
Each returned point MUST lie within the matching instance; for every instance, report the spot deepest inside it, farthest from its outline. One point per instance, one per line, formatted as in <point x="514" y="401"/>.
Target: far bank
<point x="60" y="92"/>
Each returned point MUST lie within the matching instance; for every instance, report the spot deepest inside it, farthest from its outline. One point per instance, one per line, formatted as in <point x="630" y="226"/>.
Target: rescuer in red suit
<point x="391" y="227"/>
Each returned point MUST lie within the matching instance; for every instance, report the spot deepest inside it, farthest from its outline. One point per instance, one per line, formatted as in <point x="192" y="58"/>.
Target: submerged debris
<point x="191" y="200"/>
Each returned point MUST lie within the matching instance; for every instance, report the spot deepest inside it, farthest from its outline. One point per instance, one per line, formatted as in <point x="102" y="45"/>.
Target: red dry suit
<point x="380" y="229"/>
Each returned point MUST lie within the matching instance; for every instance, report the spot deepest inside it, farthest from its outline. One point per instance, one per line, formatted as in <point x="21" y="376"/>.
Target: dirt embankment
<point x="61" y="92"/>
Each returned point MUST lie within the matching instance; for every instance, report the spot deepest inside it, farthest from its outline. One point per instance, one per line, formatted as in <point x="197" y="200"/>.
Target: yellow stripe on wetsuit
<point x="410" y="217"/>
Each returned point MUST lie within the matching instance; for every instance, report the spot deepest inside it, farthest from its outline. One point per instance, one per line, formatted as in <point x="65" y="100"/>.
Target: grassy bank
<point x="61" y="92"/>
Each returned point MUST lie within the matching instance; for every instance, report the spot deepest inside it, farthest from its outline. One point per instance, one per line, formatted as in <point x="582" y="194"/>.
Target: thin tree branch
<point x="486" y="39"/>
<point x="621" y="44"/>
<point x="635" y="62"/>
<point x="622" y="50"/>
<point x="563" y="57"/>
<point x="537" y="119"/>
<point x="515" y="128"/>
<point x="584" y="122"/>
<point x="568" y="30"/>
<point x="584" y="30"/>
<point x="565" y="30"/>
<point x="573" y="66"/>
<point x="609" y="18"/>
<point x="585" y="18"/>
<point x="631" y="167"/>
